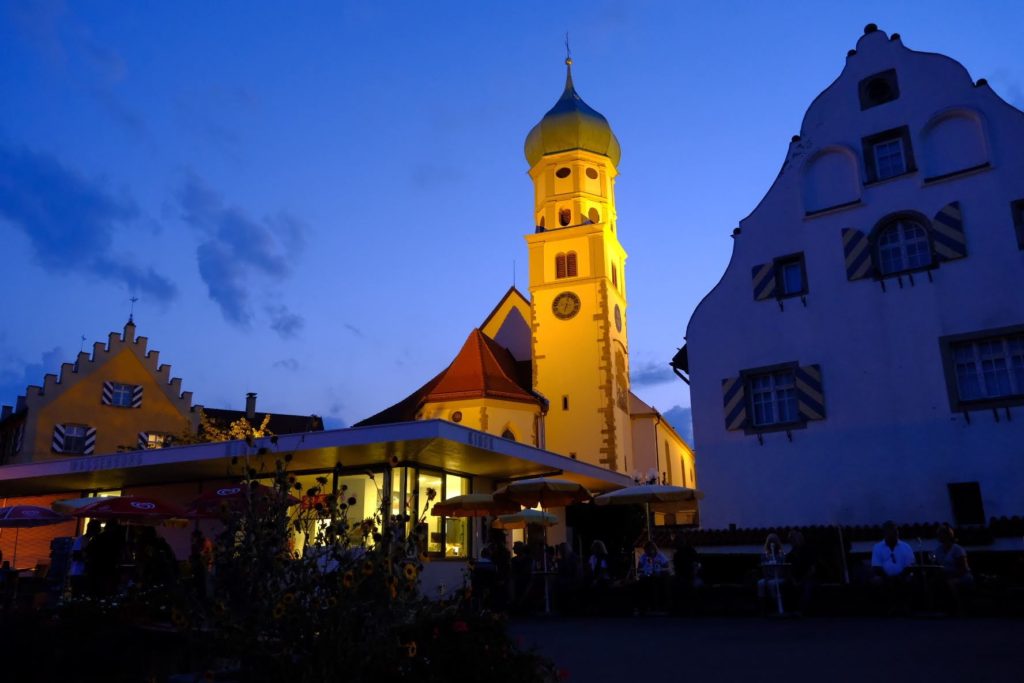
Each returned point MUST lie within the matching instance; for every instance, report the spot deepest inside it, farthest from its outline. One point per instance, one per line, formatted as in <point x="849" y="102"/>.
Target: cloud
<point x="284" y="322"/>
<point x="71" y="222"/>
<point x="649" y="374"/>
<point x="354" y="330"/>
<point x="334" y="422"/>
<point x="16" y="376"/>
<point x="289" y="364"/>
<point x="681" y="419"/>
<point x="237" y="250"/>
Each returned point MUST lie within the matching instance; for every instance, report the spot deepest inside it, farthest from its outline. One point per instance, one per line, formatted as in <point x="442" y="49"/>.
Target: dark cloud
<point x="238" y="251"/>
<point x="286" y="323"/>
<point x="354" y="330"/>
<point x="71" y="222"/>
<point x="15" y="377"/>
<point x="289" y="364"/>
<point x="649" y="374"/>
<point x="681" y="419"/>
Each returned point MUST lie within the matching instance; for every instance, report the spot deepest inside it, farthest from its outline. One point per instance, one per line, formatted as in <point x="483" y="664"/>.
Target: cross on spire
<point x="131" y="309"/>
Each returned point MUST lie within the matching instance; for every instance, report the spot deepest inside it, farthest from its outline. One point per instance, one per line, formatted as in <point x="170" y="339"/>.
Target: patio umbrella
<point x="18" y="517"/>
<point x="211" y="504"/>
<point x="524" y="518"/>
<point x="474" y="505"/>
<point x="544" y="491"/>
<point x="70" y="505"/>
<point x="657" y="497"/>
<point x="130" y="509"/>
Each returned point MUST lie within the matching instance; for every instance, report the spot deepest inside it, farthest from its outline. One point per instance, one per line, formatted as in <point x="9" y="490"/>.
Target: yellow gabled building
<point x="119" y="398"/>
<point x="561" y="356"/>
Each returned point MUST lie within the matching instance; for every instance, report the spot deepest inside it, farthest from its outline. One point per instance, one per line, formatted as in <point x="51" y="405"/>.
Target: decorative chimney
<point x="250" y="405"/>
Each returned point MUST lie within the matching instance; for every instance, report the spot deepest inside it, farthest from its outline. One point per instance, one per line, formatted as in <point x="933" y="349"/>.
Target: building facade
<point x="862" y="357"/>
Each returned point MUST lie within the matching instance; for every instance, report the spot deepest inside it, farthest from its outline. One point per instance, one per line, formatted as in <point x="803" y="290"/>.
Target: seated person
<point x="956" y="573"/>
<point x="652" y="562"/>
<point x="891" y="562"/>
<point x="772" y="555"/>
<point x="803" y="561"/>
<point x="653" y="571"/>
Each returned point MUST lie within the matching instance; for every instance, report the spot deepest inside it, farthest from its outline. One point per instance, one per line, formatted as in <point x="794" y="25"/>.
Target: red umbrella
<point x="213" y="503"/>
<point x="19" y="517"/>
<point x="130" y="509"/>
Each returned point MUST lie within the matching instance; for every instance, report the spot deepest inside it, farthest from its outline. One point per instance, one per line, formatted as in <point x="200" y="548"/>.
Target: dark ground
<point x="667" y="649"/>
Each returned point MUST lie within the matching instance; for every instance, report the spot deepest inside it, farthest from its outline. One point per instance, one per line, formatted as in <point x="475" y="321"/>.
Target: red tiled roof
<point x="481" y="369"/>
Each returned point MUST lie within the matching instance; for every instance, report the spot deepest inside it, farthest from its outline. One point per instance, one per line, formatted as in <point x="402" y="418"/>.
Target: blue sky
<point x="318" y="201"/>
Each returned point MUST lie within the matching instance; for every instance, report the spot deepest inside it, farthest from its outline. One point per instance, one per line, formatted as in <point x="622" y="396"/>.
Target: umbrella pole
<point x="14" y="561"/>
<point x="647" y="518"/>
<point x="547" y="596"/>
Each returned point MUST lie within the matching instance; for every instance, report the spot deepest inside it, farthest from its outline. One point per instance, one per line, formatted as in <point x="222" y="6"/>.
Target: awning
<point x="435" y="443"/>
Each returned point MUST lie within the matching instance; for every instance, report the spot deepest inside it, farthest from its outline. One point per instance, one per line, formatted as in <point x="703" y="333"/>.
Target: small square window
<point x="888" y="154"/>
<point x="790" y="276"/>
<point x="157" y="440"/>
<point x="985" y="370"/>
<point x="74" y="438"/>
<point x="121" y="394"/>
<point x="773" y="398"/>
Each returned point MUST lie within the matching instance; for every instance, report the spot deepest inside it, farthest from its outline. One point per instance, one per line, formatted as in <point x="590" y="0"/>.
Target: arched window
<point x="615" y="277"/>
<point x="507" y="434"/>
<point x="560" y="266"/>
<point x="570" y="264"/>
<point x="903" y="245"/>
<point x="594" y="215"/>
<point x="564" y="217"/>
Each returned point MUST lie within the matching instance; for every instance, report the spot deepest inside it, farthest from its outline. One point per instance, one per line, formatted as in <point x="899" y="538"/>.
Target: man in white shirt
<point x="891" y="557"/>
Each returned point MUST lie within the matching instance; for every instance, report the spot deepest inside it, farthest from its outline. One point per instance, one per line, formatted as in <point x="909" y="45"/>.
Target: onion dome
<point x="571" y="124"/>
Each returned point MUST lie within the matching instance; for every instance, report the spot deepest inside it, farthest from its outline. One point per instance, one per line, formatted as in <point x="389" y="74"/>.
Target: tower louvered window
<point x="560" y="266"/>
<point x="570" y="264"/>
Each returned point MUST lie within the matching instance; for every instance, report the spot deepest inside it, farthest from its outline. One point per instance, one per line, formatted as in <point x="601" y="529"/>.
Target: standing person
<point x="502" y="560"/>
<point x="77" y="572"/>
<point x="598" y="575"/>
<point x="891" y="562"/>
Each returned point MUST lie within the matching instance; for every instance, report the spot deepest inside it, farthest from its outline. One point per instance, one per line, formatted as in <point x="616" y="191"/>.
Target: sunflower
<point x="410" y="572"/>
<point x="332" y="601"/>
<point x="279" y="610"/>
<point x="410" y="648"/>
<point x="347" y="579"/>
<point x="288" y="598"/>
<point x="178" y="618"/>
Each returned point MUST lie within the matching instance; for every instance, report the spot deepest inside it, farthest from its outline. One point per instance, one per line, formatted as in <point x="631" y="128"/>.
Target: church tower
<point x="577" y="284"/>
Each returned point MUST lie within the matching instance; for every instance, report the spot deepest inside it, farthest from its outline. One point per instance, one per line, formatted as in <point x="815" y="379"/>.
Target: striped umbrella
<point x="474" y="505"/>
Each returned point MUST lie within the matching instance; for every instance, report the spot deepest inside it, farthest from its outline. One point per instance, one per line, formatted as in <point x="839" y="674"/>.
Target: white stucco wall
<point x="890" y="441"/>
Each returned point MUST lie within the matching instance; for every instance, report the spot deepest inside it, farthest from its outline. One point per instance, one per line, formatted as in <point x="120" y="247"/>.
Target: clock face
<point x="618" y="318"/>
<point x="566" y="305"/>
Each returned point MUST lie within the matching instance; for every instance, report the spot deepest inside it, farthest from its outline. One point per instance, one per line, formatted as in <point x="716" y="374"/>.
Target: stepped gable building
<point x="862" y="357"/>
<point x="552" y="369"/>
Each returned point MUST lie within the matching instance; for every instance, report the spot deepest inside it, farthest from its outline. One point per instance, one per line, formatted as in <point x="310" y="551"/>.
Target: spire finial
<point x="131" y="309"/>
<point x="568" y="51"/>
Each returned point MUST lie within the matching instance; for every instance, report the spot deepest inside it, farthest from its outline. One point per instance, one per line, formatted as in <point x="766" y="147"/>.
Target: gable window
<point x="773" y="398"/>
<point x="74" y="438"/>
<point x="121" y="394"/>
<point x="790" y="275"/>
<point x="507" y="434"/>
<point x="888" y="154"/>
<point x="903" y="245"/>
<point x="878" y="89"/>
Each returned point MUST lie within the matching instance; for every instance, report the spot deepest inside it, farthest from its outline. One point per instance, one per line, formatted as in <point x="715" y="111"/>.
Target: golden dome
<point x="571" y="124"/>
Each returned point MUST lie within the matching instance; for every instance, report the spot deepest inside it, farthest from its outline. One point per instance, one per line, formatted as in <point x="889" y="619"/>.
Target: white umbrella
<point x="657" y="497"/>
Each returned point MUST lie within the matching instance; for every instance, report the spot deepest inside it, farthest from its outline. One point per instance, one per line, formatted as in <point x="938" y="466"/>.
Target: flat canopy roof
<point x="434" y="443"/>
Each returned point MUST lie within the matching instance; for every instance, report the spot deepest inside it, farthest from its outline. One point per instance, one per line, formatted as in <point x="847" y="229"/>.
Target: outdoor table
<point x="774" y="573"/>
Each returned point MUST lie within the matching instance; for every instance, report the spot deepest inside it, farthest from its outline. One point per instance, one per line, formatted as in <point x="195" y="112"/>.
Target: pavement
<point x="667" y="649"/>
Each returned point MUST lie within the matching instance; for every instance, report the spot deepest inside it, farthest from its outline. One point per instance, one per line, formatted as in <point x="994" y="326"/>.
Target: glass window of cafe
<point x="446" y="536"/>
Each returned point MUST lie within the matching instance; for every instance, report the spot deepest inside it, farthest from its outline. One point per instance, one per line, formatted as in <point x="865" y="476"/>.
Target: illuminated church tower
<point x="577" y="284"/>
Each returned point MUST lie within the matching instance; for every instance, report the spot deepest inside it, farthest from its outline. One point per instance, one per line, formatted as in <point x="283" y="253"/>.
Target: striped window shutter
<point x="857" y="253"/>
<point x="57" y="443"/>
<point x="90" y="441"/>
<point x="143" y="440"/>
<point x="810" y="399"/>
<point x="734" y="397"/>
<point x="948" y="239"/>
<point x="137" y="396"/>
<point x="19" y="438"/>
<point x="108" y="393"/>
<point x="764" y="281"/>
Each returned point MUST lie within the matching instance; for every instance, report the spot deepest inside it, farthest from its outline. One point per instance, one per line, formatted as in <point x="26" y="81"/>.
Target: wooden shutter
<point x="570" y="264"/>
<point x="108" y="393"/>
<point x="734" y="399"/>
<point x="764" y="281"/>
<point x="57" y="443"/>
<point x="857" y="252"/>
<point x="90" y="441"/>
<point x="948" y="239"/>
<point x="560" y="266"/>
<point x="810" y="398"/>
